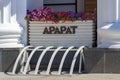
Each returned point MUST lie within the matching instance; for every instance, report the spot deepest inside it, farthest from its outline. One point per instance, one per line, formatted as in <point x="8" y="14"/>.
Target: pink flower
<point x="47" y="14"/>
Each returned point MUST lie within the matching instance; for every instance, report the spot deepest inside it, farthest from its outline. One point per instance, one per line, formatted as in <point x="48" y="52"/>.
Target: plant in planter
<point x="47" y="14"/>
<point x="89" y="15"/>
<point x="47" y="27"/>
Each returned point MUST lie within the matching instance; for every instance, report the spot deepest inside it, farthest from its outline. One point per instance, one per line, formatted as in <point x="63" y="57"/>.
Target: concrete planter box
<point x="7" y="58"/>
<point x="98" y="60"/>
<point x="66" y="34"/>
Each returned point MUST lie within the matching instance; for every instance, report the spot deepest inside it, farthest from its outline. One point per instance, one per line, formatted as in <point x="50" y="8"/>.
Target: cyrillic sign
<point x="60" y="30"/>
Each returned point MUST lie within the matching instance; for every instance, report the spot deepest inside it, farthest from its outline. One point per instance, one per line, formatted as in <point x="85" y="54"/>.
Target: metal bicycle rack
<point x="24" y="59"/>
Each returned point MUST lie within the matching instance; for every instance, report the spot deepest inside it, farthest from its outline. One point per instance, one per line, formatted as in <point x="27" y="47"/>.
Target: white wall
<point x="21" y="13"/>
<point x="23" y="5"/>
<point x="33" y="4"/>
<point x="108" y="33"/>
<point x="106" y="11"/>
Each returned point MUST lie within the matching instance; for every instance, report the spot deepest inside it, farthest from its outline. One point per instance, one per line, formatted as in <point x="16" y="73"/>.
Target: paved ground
<point x="63" y="77"/>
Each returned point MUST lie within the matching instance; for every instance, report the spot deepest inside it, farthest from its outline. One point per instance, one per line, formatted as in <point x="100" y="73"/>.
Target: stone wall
<point x="7" y="58"/>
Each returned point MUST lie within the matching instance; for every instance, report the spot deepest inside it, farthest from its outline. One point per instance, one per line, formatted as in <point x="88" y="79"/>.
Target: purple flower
<point x="47" y="14"/>
<point x="73" y="15"/>
<point x="35" y="18"/>
<point x="42" y="19"/>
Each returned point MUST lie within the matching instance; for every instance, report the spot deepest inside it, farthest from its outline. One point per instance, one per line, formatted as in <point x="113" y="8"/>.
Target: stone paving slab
<point x="62" y="77"/>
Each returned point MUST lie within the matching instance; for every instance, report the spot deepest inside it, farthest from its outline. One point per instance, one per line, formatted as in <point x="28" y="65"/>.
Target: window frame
<point x="62" y="4"/>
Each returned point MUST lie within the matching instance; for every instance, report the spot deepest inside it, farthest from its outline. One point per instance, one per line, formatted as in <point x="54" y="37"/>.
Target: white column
<point x="0" y="14"/>
<point x="1" y="10"/>
<point x="6" y="11"/>
<point x="14" y="11"/>
<point x="117" y="10"/>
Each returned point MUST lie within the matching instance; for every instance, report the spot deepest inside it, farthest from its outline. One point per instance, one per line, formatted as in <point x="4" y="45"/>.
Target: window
<point x="61" y="5"/>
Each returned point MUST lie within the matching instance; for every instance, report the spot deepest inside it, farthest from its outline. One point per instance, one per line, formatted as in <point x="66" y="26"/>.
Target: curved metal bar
<point x="18" y="58"/>
<point x="80" y="62"/>
<point x="81" y="59"/>
<point x="40" y="59"/>
<point x="25" y="57"/>
<point x="74" y="59"/>
<point x="51" y="60"/>
<point x="63" y="59"/>
<point x="29" y="58"/>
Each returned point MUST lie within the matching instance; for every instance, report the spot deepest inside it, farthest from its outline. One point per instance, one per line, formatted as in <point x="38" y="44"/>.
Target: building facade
<point x="14" y="30"/>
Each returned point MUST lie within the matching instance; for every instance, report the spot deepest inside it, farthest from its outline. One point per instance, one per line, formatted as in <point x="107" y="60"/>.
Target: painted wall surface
<point x="30" y="4"/>
<point x="108" y="23"/>
<point x="106" y="11"/>
<point x="33" y="4"/>
<point x="21" y="13"/>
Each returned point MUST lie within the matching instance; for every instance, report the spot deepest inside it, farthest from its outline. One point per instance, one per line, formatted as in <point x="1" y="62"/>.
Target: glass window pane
<point x="58" y="1"/>
<point x="63" y="8"/>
